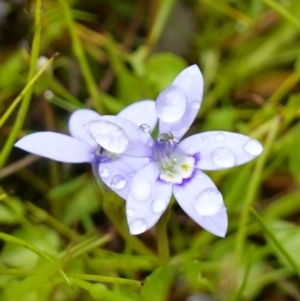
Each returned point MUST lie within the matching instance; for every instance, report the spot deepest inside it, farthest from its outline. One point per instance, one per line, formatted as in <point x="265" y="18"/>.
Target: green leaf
<point x="288" y="235"/>
<point x="158" y="284"/>
<point x="9" y="215"/>
<point x="222" y="118"/>
<point x="293" y="153"/>
<point x="191" y="273"/>
<point x="161" y="70"/>
<point x="17" y="256"/>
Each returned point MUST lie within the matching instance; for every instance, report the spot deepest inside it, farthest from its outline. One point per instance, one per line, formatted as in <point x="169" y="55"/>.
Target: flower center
<point x="174" y="166"/>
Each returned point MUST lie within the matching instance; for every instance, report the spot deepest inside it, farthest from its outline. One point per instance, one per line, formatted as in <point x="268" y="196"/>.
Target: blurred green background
<point x="63" y="237"/>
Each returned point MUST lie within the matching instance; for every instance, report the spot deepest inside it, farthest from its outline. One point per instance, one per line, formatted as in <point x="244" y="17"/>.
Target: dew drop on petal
<point x="137" y="226"/>
<point x="141" y="190"/>
<point x="146" y="128"/>
<point x="130" y="173"/>
<point x="195" y="105"/>
<point x="223" y="157"/>
<point x="170" y="104"/>
<point x="130" y="212"/>
<point x="190" y="151"/>
<point x="253" y="147"/>
<point x="105" y="173"/>
<point x="117" y="182"/>
<point x="219" y="136"/>
<point x="159" y="205"/>
<point x="208" y="201"/>
<point x="150" y="142"/>
<point x="109" y="135"/>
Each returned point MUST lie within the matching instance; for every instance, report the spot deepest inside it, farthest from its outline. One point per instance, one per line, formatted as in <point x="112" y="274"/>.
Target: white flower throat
<point x="174" y="166"/>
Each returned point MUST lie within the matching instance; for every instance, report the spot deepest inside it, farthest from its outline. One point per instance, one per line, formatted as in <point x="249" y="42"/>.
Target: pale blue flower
<point x="176" y="167"/>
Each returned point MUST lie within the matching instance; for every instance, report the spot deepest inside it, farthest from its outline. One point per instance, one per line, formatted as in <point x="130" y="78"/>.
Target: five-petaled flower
<point x="115" y="170"/>
<point x="175" y="167"/>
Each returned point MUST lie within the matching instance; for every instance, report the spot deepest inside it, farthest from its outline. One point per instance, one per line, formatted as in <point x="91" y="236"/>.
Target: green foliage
<point x="63" y="237"/>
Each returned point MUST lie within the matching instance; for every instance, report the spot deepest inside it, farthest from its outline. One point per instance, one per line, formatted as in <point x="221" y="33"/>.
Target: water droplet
<point x="109" y="135"/>
<point x="130" y="173"/>
<point x="170" y="104"/>
<point x="146" y="128"/>
<point x="137" y="226"/>
<point x="150" y="142"/>
<point x="219" y="136"/>
<point x="208" y="201"/>
<point x="193" y="71"/>
<point x="253" y="147"/>
<point x="117" y="182"/>
<point x="105" y="173"/>
<point x="141" y="190"/>
<point x="159" y="205"/>
<point x="130" y="212"/>
<point x="49" y="95"/>
<point x="223" y="157"/>
<point x="195" y="105"/>
<point x="190" y="152"/>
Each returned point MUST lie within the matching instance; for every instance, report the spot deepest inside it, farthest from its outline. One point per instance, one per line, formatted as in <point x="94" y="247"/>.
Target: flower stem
<point x="253" y="188"/>
<point x="162" y="238"/>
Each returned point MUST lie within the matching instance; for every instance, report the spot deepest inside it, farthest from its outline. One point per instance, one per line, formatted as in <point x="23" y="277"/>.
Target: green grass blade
<point x="283" y="12"/>
<point x="254" y="185"/>
<point x="27" y="97"/>
<point x="81" y="57"/>
<point x="106" y="279"/>
<point x="276" y="242"/>
<point x="31" y="247"/>
<point x="24" y="91"/>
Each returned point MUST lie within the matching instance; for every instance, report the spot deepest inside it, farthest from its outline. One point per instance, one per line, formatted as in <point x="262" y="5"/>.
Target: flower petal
<point x="56" y="146"/>
<point x="187" y="85"/>
<point x="120" y="136"/>
<point x="141" y="112"/>
<point x="219" y="150"/>
<point x="135" y="163"/>
<point x="76" y="122"/>
<point x="203" y="202"/>
<point x="147" y="199"/>
<point x="117" y="175"/>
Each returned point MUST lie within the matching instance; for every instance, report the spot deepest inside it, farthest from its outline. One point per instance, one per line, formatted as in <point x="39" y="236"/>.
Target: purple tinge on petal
<point x="220" y="150"/>
<point x="187" y="87"/>
<point x="117" y="175"/>
<point x="76" y="128"/>
<point x="203" y="202"/>
<point x="147" y="199"/>
<point x="56" y="146"/>
<point x="141" y="112"/>
<point x="135" y="163"/>
<point x="120" y="136"/>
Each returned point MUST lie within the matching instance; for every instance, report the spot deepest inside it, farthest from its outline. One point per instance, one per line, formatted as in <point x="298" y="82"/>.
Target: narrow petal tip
<point x="56" y="146"/>
<point x="137" y="226"/>
<point x="253" y="147"/>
